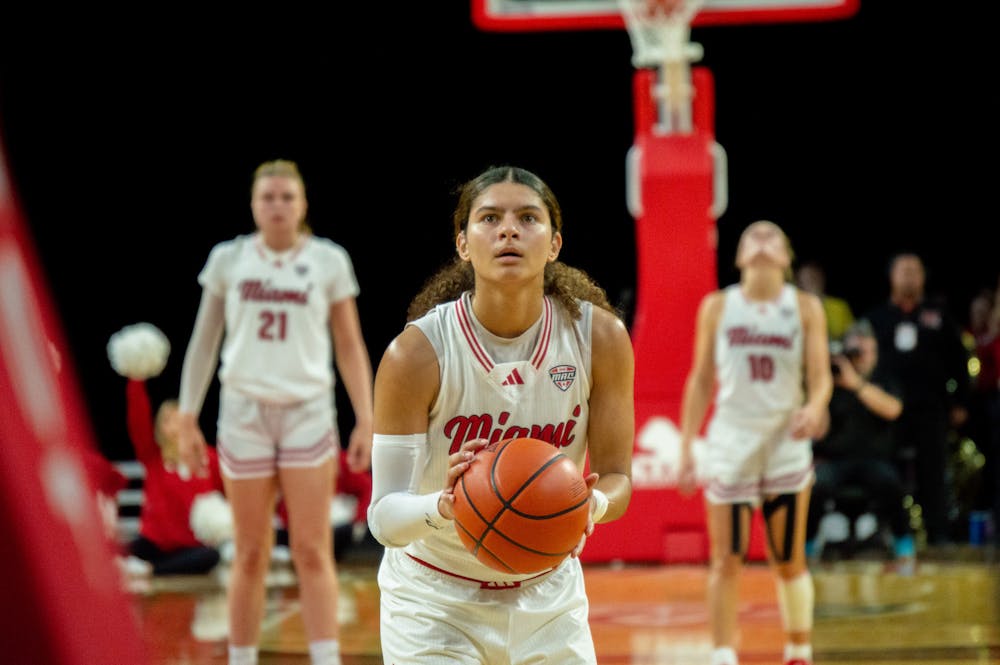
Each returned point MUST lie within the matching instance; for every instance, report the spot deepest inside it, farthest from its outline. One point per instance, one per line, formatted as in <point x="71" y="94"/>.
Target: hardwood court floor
<point x="946" y="612"/>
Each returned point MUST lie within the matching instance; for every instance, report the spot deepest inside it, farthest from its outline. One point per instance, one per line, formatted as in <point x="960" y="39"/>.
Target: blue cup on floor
<point x="978" y="525"/>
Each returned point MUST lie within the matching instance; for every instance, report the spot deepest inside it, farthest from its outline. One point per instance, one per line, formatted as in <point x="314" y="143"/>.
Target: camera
<point x="837" y="348"/>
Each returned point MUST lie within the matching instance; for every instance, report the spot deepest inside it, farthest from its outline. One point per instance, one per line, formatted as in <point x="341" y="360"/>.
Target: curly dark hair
<point x="563" y="282"/>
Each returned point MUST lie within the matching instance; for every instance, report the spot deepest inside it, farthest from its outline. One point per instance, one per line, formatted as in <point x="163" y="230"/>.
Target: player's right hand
<point x="458" y="463"/>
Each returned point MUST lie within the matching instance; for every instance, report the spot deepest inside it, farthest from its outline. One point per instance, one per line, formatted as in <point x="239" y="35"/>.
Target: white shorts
<point x="256" y="438"/>
<point x="430" y="617"/>
<point x="747" y="461"/>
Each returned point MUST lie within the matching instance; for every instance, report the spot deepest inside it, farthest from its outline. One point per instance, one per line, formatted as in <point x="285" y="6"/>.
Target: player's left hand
<point x="591" y="482"/>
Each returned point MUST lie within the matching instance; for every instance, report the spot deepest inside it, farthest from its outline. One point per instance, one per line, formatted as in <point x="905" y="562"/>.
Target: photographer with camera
<point x="858" y="448"/>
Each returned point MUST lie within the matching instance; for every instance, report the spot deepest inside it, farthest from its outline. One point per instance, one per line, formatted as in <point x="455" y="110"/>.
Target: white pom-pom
<point x="343" y="508"/>
<point x="139" y="351"/>
<point x="211" y="518"/>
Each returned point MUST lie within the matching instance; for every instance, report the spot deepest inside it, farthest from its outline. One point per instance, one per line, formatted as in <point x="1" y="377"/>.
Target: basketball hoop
<point x="660" y="31"/>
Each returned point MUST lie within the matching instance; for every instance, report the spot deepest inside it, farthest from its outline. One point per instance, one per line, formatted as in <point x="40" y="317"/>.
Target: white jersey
<point x="759" y="356"/>
<point x="277" y="346"/>
<point x="537" y="385"/>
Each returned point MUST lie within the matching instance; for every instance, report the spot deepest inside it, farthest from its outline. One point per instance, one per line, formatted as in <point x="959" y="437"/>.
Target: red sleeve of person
<point x="107" y="479"/>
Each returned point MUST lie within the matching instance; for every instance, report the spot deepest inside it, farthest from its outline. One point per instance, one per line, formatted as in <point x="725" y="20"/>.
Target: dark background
<point x="131" y="140"/>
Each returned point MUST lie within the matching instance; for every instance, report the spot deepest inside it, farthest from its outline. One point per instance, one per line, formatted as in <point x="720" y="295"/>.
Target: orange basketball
<point x="522" y="506"/>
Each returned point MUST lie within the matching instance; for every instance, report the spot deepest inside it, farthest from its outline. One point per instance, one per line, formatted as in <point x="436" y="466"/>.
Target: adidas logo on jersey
<point x="513" y="379"/>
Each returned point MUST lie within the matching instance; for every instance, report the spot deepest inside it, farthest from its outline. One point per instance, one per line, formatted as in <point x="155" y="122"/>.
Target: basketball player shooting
<point x="505" y="341"/>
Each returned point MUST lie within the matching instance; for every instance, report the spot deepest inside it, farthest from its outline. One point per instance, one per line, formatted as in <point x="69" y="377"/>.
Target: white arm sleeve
<point x="397" y="515"/>
<point x="202" y="352"/>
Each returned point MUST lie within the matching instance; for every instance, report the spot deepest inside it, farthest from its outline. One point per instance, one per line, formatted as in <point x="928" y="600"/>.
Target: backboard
<point x="540" y="15"/>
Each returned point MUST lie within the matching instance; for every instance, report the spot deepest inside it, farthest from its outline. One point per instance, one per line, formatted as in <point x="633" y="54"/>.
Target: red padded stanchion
<point x="676" y="267"/>
<point x="63" y="593"/>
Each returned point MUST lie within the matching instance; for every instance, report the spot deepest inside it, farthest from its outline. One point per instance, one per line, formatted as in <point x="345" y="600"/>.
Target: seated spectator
<point x="858" y="448"/>
<point x="166" y="541"/>
<point x="982" y="336"/>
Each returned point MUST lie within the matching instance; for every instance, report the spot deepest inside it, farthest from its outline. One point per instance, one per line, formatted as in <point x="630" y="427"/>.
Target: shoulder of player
<point x="809" y="303"/>
<point x="409" y="356"/>
<point x="714" y="298"/>
<point x="324" y="244"/>
<point x="608" y="329"/>
<point x="712" y="302"/>
<point x="226" y="251"/>
<point x="234" y="244"/>
<point x="710" y="312"/>
<point x="332" y="256"/>
<point x="612" y="354"/>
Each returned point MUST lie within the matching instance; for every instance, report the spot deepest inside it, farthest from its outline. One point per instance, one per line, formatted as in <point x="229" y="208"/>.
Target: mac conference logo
<point x="563" y="376"/>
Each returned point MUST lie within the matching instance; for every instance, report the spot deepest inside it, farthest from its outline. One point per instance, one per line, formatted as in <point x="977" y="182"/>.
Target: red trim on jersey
<point x="315" y="452"/>
<point x="470" y="336"/>
<point x="241" y="467"/>
<point x="483" y="584"/>
<point x="543" y="341"/>
<point x="262" y="251"/>
<point x="785" y="482"/>
<point x="541" y="346"/>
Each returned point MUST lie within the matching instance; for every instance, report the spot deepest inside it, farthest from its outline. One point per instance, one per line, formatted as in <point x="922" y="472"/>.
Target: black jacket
<point x="924" y="350"/>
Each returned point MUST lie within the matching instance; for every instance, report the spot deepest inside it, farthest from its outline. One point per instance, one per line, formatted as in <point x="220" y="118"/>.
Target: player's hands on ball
<point x="458" y="463"/>
<point x="591" y="480"/>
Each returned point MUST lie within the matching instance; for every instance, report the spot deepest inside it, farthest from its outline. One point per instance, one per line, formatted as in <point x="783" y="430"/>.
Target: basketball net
<point x="660" y="31"/>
